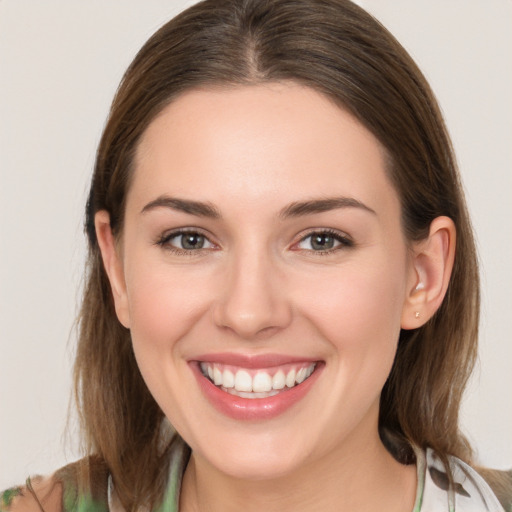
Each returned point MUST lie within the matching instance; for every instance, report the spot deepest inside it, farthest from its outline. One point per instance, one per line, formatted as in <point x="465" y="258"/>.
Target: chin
<point x="256" y="463"/>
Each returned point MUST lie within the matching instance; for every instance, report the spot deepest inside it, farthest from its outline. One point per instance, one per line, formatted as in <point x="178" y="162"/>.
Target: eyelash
<point x="344" y="241"/>
<point x="163" y="241"/>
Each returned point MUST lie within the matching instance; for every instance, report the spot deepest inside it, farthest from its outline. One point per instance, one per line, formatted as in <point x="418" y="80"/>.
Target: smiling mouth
<point x="256" y="383"/>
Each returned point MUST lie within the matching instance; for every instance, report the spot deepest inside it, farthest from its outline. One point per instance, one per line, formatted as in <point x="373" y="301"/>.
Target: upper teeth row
<point x="261" y="382"/>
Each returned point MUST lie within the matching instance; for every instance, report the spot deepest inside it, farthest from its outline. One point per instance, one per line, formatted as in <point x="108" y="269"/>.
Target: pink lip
<point x="256" y="408"/>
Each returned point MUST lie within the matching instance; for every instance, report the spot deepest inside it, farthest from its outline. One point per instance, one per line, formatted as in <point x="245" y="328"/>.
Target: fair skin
<point x="325" y="287"/>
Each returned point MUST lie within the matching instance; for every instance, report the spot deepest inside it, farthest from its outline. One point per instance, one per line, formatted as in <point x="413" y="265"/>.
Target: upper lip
<point x="252" y="361"/>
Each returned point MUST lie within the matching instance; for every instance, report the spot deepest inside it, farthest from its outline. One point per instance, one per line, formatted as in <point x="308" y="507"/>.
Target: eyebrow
<point x="197" y="208"/>
<point x="298" y="209"/>
<point x="295" y="209"/>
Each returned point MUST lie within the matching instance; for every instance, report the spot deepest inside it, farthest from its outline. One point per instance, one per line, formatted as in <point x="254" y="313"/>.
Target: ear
<point x="113" y="264"/>
<point x="432" y="264"/>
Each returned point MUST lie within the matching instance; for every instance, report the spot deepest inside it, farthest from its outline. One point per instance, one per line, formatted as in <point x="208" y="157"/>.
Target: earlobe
<point x="432" y="267"/>
<point x="113" y="265"/>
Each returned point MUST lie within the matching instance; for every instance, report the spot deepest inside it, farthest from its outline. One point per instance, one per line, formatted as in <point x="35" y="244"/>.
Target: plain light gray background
<point x="60" y="63"/>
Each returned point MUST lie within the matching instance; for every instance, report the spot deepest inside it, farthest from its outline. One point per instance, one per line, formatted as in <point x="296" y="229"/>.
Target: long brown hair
<point x="338" y="49"/>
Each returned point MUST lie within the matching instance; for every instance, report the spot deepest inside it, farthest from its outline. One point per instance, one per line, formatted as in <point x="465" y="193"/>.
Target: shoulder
<point x="466" y="491"/>
<point x="81" y="485"/>
<point x="37" y="494"/>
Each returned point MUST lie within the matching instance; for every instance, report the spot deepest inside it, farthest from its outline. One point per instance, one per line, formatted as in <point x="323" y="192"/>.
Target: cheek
<point x="358" y="308"/>
<point x="164" y="305"/>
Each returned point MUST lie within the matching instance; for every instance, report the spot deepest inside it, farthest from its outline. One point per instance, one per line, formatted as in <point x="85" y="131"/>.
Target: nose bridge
<point x="253" y="299"/>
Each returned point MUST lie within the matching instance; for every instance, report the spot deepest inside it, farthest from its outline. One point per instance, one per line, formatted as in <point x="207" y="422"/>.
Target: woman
<point x="282" y="267"/>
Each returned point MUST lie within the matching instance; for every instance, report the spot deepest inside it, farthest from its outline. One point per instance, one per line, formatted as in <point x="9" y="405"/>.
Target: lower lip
<point x="254" y="408"/>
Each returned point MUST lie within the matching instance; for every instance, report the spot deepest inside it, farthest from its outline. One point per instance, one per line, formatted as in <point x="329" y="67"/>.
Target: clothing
<point x="470" y="492"/>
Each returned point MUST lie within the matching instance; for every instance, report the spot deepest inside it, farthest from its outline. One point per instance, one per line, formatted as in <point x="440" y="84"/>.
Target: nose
<point x="253" y="302"/>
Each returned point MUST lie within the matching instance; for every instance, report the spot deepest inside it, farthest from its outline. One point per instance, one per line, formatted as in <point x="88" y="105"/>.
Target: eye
<point x="323" y="241"/>
<point x="185" y="241"/>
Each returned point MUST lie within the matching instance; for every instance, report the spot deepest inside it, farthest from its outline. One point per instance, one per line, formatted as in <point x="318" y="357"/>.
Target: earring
<point x="417" y="314"/>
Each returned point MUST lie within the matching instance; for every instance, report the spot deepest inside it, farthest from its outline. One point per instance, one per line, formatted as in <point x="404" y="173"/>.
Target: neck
<point x="360" y="475"/>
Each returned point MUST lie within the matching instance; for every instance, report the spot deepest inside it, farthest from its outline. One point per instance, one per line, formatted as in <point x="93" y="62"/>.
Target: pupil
<point x="322" y="242"/>
<point x="192" y="241"/>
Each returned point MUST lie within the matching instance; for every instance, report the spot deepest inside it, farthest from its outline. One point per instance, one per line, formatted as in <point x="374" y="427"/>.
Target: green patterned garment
<point x="469" y="492"/>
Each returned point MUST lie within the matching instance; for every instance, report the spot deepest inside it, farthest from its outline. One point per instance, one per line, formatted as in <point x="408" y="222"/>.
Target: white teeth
<point x="228" y="379"/>
<point x="217" y="376"/>
<point x="262" y="382"/>
<point x="261" y="385"/>
<point x="301" y="375"/>
<point x="278" y="381"/>
<point x="243" y="381"/>
<point x="290" y="378"/>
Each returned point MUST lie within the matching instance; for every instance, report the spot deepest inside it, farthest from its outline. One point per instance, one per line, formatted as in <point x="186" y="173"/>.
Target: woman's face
<point x="262" y="245"/>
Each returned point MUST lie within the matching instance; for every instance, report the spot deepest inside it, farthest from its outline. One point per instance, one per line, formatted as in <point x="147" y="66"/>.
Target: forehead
<point x="260" y="143"/>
